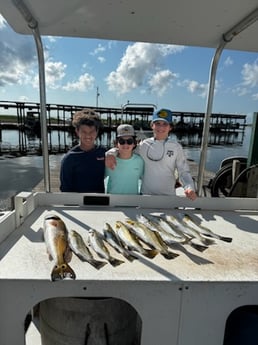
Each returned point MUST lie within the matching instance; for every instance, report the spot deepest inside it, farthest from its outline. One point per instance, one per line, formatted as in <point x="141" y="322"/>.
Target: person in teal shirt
<point x="126" y="177"/>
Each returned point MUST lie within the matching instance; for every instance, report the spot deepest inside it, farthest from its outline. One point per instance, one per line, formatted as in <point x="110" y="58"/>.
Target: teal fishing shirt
<point x="126" y="177"/>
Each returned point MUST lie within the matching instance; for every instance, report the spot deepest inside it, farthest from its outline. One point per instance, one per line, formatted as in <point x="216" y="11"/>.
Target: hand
<point x="190" y="194"/>
<point x="110" y="161"/>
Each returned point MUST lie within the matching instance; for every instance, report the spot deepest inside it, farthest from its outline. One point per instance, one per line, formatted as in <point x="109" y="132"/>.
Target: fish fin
<point x="169" y="255"/>
<point x="115" y="262"/>
<point x="97" y="264"/>
<point x="80" y="256"/>
<point x="68" y="254"/>
<point x="63" y="271"/>
<point x="199" y="247"/>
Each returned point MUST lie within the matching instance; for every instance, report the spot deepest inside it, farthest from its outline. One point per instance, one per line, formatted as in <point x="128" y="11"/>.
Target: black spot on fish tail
<point x="225" y="239"/>
<point x="222" y="238"/>
<point x="169" y="255"/>
<point x="115" y="262"/>
<point x="61" y="272"/>
<point x="150" y="253"/>
<point x="199" y="247"/>
<point x="97" y="264"/>
<point x="131" y="257"/>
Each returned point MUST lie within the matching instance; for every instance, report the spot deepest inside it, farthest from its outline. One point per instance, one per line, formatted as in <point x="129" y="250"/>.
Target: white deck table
<point x="189" y="297"/>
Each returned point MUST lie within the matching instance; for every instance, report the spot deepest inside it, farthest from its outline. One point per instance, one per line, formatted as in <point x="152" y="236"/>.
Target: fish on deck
<point x="79" y="248"/>
<point x="190" y="222"/>
<point x="115" y="242"/>
<point x="56" y="240"/>
<point x="151" y="238"/>
<point x="131" y="242"/>
<point x="97" y="243"/>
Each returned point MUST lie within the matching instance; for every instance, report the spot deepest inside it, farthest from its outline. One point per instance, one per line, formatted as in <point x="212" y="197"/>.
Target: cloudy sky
<point x="169" y="76"/>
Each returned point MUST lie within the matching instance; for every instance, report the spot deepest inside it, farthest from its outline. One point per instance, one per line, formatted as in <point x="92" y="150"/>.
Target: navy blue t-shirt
<point x="83" y="171"/>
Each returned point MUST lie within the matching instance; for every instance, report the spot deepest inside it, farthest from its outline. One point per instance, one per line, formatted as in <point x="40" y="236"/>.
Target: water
<point x="24" y="173"/>
<point x="216" y="153"/>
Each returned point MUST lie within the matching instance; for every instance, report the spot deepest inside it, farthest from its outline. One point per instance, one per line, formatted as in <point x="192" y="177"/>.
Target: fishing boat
<point x="197" y="298"/>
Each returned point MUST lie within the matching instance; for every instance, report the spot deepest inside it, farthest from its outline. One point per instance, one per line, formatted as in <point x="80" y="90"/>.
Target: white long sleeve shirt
<point x="162" y="158"/>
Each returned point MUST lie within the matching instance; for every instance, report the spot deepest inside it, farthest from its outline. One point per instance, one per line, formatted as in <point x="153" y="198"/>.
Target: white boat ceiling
<point x="186" y="22"/>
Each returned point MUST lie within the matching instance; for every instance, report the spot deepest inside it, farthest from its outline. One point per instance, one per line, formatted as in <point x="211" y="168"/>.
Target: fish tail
<point x="130" y="257"/>
<point x="63" y="271"/>
<point x="115" y="262"/>
<point x="150" y="253"/>
<point x="169" y="255"/>
<point x="98" y="264"/>
<point x="225" y="239"/>
<point x="207" y="241"/>
<point x="199" y="247"/>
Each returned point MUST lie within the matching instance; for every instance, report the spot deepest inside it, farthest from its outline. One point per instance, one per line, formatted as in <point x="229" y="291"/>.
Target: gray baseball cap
<point x="125" y="130"/>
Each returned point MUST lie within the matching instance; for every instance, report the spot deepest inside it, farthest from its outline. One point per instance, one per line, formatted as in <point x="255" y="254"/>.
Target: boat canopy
<point x="186" y="22"/>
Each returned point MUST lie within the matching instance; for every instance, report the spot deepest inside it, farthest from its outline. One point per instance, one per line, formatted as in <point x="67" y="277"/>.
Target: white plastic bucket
<point x="80" y="321"/>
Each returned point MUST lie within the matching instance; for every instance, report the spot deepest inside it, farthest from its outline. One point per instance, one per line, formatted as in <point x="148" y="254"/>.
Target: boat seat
<point x="246" y="184"/>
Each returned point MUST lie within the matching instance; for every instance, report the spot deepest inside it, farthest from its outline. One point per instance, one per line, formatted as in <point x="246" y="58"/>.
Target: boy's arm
<point x="110" y="160"/>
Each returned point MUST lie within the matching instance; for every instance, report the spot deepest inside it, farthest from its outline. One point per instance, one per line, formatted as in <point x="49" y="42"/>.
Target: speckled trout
<point x="56" y="240"/>
<point x="130" y="240"/>
<point x="177" y="224"/>
<point x="115" y="242"/>
<point x="190" y="222"/>
<point x="151" y="238"/>
<point x="98" y="245"/>
<point x="79" y="248"/>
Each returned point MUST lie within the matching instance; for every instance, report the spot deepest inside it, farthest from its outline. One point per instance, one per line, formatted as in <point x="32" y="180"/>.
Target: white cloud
<point x="139" y="64"/>
<point x="161" y="81"/>
<point x="84" y="83"/>
<point x="228" y="61"/>
<point x="194" y="86"/>
<point x="250" y="74"/>
<point x="101" y="59"/>
<point x="240" y="91"/>
<point x="100" y="49"/>
<point x="17" y="58"/>
<point x="54" y="73"/>
<point x="255" y="97"/>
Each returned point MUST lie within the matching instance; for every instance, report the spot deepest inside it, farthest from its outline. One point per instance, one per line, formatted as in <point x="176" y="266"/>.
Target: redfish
<point x="56" y="240"/>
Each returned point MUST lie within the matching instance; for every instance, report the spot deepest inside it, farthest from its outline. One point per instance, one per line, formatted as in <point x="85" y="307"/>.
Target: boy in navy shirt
<point x="83" y="167"/>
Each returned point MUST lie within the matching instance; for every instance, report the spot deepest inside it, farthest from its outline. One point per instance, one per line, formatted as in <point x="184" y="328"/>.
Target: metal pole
<point x="33" y="25"/>
<point x="206" y="125"/>
<point x="227" y="37"/>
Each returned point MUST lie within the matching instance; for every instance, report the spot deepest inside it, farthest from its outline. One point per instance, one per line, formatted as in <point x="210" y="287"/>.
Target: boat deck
<point x="222" y="278"/>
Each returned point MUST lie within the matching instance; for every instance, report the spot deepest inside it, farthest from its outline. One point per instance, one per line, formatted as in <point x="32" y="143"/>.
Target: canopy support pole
<point x="33" y="25"/>
<point x="227" y="37"/>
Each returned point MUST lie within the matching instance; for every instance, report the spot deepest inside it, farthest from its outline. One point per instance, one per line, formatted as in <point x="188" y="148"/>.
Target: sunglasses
<point x="122" y="141"/>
